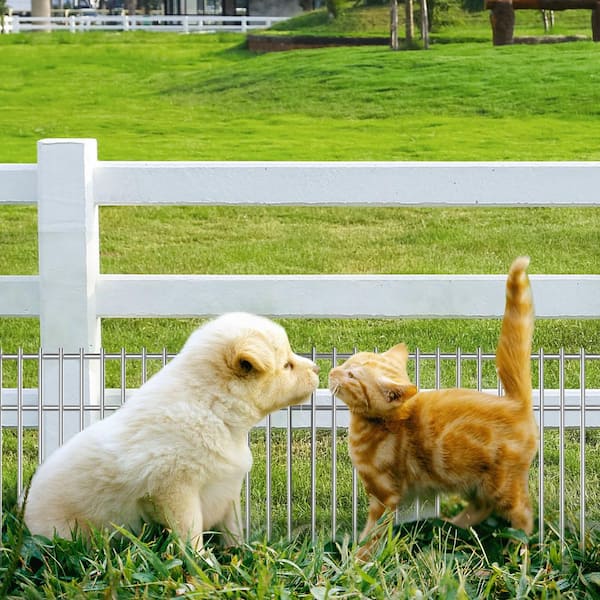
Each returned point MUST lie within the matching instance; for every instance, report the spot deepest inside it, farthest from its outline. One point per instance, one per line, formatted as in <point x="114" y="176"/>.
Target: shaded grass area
<point x="448" y="22"/>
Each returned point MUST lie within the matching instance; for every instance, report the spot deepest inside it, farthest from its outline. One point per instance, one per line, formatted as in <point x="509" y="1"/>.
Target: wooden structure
<point x="502" y="15"/>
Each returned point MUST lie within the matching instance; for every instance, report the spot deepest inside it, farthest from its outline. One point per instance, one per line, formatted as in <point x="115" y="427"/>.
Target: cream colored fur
<point x="176" y="453"/>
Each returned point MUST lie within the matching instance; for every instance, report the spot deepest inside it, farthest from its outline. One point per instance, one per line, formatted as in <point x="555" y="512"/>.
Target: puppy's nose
<point x="316" y="368"/>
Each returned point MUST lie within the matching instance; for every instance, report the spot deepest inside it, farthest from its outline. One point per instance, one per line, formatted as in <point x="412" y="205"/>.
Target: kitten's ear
<point x="397" y="392"/>
<point x="399" y="352"/>
<point x="247" y="355"/>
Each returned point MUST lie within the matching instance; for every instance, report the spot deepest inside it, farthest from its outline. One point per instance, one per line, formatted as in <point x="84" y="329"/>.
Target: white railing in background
<point x="70" y="295"/>
<point x="169" y="23"/>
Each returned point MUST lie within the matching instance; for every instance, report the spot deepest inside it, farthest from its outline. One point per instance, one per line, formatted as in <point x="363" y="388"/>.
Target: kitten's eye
<point x="392" y="395"/>
<point x="288" y="365"/>
<point x="351" y="375"/>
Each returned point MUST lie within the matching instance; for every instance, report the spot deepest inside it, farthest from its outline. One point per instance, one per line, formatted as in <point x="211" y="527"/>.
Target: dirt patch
<point x="276" y="43"/>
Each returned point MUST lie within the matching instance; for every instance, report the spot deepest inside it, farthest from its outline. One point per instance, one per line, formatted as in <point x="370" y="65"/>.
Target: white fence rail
<point x="70" y="296"/>
<point x="168" y="23"/>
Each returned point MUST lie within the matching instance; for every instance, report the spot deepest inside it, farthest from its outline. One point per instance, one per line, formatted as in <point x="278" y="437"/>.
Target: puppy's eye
<point x="246" y="366"/>
<point x="288" y="365"/>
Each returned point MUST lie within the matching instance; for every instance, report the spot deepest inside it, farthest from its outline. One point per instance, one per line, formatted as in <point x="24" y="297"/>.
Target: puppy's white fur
<point x="176" y="453"/>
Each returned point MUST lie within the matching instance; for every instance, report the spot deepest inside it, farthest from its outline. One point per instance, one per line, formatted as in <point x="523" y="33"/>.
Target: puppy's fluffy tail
<point x="513" y="356"/>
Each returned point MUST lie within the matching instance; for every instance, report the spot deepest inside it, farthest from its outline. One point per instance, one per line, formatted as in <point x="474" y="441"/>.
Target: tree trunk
<point x="394" y="24"/>
<point x="424" y="24"/>
<point x="596" y="23"/>
<point x="410" y="28"/>
<point x="41" y="8"/>
<point x="131" y="6"/>
<point x="229" y="8"/>
<point x="502" y="17"/>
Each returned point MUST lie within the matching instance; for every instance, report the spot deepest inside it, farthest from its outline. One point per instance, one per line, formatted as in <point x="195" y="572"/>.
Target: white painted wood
<point x="18" y="184"/>
<point x="343" y="183"/>
<point x="426" y="296"/>
<point x="302" y="413"/>
<point x="69" y="249"/>
<point x="327" y="296"/>
<point x="167" y="23"/>
<point x="19" y="296"/>
<point x="68" y="240"/>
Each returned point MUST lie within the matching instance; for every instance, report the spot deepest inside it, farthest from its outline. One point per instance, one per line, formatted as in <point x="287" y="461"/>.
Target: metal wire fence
<point x="302" y="482"/>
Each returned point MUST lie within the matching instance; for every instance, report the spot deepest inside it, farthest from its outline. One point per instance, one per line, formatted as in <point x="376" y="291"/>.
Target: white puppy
<point x="177" y="452"/>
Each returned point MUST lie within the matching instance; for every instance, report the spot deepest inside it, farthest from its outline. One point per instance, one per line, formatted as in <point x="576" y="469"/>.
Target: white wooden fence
<point x="70" y="296"/>
<point x="168" y="23"/>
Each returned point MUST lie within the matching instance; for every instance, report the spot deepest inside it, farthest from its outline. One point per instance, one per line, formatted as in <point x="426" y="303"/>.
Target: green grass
<point x="169" y="97"/>
<point x="426" y="562"/>
<point x="206" y="98"/>
<point x="428" y="557"/>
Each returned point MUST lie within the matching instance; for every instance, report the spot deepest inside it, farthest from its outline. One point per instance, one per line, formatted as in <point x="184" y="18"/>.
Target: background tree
<point x="41" y="8"/>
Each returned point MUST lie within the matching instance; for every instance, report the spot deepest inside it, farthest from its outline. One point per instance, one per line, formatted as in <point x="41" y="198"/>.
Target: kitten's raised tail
<point x="513" y="355"/>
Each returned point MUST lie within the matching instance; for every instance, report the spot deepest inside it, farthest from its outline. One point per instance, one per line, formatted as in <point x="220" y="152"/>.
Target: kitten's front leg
<point x="376" y="510"/>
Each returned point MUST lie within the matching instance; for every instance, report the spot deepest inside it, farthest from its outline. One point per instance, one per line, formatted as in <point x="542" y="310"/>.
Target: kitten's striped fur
<point x="403" y="442"/>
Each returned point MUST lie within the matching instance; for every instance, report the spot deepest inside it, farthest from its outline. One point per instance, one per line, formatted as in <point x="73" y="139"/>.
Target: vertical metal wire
<point x="61" y="396"/>
<point x="313" y="458"/>
<point x="561" y="447"/>
<point x="40" y="411"/>
<point x="582" y="389"/>
<point x="541" y="447"/>
<point x="268" y="482"/>
<point x="334" y="460"/>
<point x="19" y="421"/>
<point x="102" y="382"/>
<point x="438" y="385"/>
<point x="248" y="499"/>
<point x="479" y="369"/>
<point x="289" y="473"/>
<point x="1" y="432"/>
<point x="123" y="376"/>
<point x="144" y="365"/>
<point x="458" y="367"/>
<point x="418" y="384"/>
<point x="354" y="505"/>
<point x="417" y="367"/>
<point x="81" y="391"/>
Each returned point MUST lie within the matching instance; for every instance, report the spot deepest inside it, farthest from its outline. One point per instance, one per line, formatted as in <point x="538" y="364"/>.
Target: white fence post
<point x="69" y="264"/>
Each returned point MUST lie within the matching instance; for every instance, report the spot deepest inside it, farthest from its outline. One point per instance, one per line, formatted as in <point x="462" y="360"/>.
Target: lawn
<point x="172" y="97"/>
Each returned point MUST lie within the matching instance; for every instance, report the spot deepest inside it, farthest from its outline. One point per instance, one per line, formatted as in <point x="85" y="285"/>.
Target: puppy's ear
<point x="248" y="355"/>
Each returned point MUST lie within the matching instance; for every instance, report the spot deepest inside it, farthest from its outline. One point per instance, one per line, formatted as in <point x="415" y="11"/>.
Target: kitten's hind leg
<point x="475" y="512"/>
<point x="516" y="507"/>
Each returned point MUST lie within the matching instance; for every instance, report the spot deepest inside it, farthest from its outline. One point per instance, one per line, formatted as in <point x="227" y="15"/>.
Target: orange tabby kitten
<point x="404" y="442"/>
